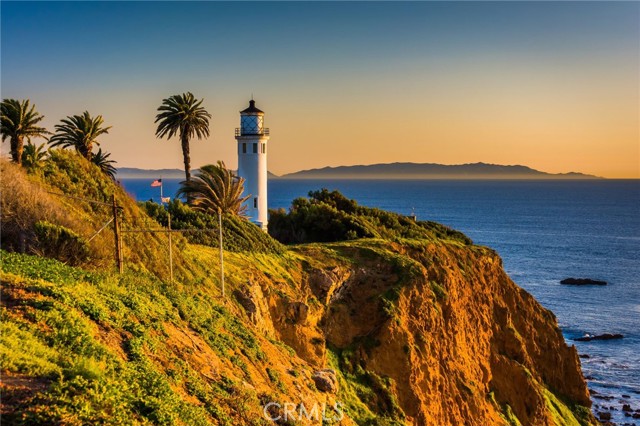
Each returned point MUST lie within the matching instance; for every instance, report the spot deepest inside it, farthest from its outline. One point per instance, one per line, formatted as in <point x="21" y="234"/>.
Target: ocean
<point x="544" y="231"/>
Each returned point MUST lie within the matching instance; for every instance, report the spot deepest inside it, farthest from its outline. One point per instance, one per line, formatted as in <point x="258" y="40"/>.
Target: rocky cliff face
<point x="435" y="333"/>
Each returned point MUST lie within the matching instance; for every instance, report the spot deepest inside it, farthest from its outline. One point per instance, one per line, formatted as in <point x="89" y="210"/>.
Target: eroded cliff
<point x="436" y="331"/>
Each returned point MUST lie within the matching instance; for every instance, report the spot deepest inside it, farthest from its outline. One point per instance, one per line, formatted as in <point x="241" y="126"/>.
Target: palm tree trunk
<point x="17" y="146"/>
<point x="185" y="154"/>
<point x="88" y="151"/>
<point x="187" y="162"/>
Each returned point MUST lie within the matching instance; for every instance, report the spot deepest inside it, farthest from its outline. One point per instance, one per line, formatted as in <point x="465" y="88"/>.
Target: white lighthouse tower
<point x="252" y="139"/>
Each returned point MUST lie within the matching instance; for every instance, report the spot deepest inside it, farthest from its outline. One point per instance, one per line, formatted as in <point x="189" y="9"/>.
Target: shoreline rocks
<point x="582" y="281"/>
<point x="605" y="336"/>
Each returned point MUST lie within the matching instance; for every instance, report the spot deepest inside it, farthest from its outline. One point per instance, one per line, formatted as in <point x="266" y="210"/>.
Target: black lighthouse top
<point x="252" y="109"/>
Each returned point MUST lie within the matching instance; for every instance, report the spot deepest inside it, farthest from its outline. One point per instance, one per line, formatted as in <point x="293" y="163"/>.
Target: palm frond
<point x="34" y="155"/>
<point x="80" y="132"/>
<point x="215" y="188"/>
<point x="101" y="159"/>
<point x="18" y="121"/>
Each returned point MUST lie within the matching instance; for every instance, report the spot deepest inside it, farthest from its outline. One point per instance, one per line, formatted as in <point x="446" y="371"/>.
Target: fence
<point x="115" y="211"/>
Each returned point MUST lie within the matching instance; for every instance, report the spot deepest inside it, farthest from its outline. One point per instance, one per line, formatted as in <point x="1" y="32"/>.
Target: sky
<point x="551" y="85"/>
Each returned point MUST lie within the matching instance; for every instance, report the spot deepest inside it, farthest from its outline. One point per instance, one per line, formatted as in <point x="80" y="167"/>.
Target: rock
<point x="582" y="281"/>
<point x="605" y="397"/>
<point x="255" y="304"/>
<point x="626" y="407"/>
<point x="604" y="416"/>
<point x="297" y="312"/>
<point x="326" y="380"/>
<point x="605" y="336"/>
<point x="626" y="396"/>
<point x="584" y="356"/>
<point x="325" y="282"/>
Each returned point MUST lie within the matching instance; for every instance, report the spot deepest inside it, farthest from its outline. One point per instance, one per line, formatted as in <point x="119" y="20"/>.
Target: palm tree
<point x="215" y="190"/>
<point x="80" y="132"/>
<point x="101" y="159"/>
<point x="33" y="155"/>
<point x="185" y="116"/>
<point x="18" y="122"/>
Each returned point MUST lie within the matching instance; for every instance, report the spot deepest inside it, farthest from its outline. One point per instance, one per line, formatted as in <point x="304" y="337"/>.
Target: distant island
<point x="432" y="171"/>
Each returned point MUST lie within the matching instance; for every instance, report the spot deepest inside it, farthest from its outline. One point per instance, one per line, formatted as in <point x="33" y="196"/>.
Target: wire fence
<point x="115" y="219"/>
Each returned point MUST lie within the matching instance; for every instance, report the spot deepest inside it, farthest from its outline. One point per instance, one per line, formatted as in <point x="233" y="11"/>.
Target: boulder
<point x="604" y="416"/>
<point x="605" y="336"/>
<point x="326" y="380"/>
<point x="582" y="281"/>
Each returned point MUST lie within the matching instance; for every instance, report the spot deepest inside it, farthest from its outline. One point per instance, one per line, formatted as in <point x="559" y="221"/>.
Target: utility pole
<point x="220" y="246"/>
<point x="116" y="235"/>
<point x="170" y="250"/>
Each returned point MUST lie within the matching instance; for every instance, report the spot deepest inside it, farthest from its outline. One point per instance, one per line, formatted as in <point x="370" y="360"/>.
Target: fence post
<point x="116" y="235"/>
<point x="221" y="255"/>
<point x="170" y="250"/>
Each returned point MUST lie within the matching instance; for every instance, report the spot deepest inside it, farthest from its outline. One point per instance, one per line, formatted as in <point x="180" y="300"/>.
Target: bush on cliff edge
<point x="330" y="216"/>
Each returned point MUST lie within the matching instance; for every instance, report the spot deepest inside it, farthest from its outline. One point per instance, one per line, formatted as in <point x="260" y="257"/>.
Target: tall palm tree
<point x="33" y="155"/>
<point x="183" y="115"/>
<point x="215" y="190"/>
<point x="18" y="121"/>
<point x="80" y="132"/>
<point x="101" y="159"/>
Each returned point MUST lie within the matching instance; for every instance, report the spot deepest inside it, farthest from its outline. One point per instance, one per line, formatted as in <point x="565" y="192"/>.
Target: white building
<point x="252" y="139"/>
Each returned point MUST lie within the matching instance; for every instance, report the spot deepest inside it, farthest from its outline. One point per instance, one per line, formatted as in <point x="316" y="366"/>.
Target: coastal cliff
<point x="403" y="324"/>
<point x="438" y="331"/>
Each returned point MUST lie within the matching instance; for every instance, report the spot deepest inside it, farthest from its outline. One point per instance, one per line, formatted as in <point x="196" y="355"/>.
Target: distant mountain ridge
<point x="135" y="173"/>
<point x="432" y="171"/>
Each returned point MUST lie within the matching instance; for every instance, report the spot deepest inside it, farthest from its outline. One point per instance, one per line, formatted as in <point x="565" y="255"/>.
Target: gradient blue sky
<point x="551" y="85"/>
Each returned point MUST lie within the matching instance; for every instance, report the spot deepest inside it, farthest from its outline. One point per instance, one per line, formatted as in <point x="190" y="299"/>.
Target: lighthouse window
<point x="264" y="148"/>
<point x="255" y="203"/>
<point x="244" y="148"/>
<point x="255" y="148"/>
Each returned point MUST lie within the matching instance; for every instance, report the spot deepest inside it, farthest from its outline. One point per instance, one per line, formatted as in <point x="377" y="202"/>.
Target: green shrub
<point x="330" y="216"/>
<point x="239" y="235"/>
<point x="60" y="243"/>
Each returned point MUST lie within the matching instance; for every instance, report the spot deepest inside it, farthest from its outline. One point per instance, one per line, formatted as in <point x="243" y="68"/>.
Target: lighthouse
<point x="252" y="139"/>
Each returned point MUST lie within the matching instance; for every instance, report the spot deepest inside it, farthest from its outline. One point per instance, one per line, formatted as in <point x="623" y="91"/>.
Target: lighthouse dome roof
<point x="252" y="109"/>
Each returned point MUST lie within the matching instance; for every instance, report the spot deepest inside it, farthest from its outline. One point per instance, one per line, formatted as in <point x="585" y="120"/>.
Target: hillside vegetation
<point x="411" y="324"/>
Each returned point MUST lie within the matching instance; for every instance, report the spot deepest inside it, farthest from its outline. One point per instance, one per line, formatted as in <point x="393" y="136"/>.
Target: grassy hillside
<point x="99" y="348"/>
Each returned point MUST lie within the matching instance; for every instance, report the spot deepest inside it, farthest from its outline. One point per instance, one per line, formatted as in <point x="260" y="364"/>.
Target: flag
<point x="157" y="182"/>
<point x="166" y="199"/>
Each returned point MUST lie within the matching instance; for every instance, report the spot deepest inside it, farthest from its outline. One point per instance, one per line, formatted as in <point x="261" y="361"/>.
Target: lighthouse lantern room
<point x="252" y="139"/>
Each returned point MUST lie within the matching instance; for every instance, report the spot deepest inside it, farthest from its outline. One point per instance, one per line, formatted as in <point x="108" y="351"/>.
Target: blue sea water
<point x="545" y="231"/>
